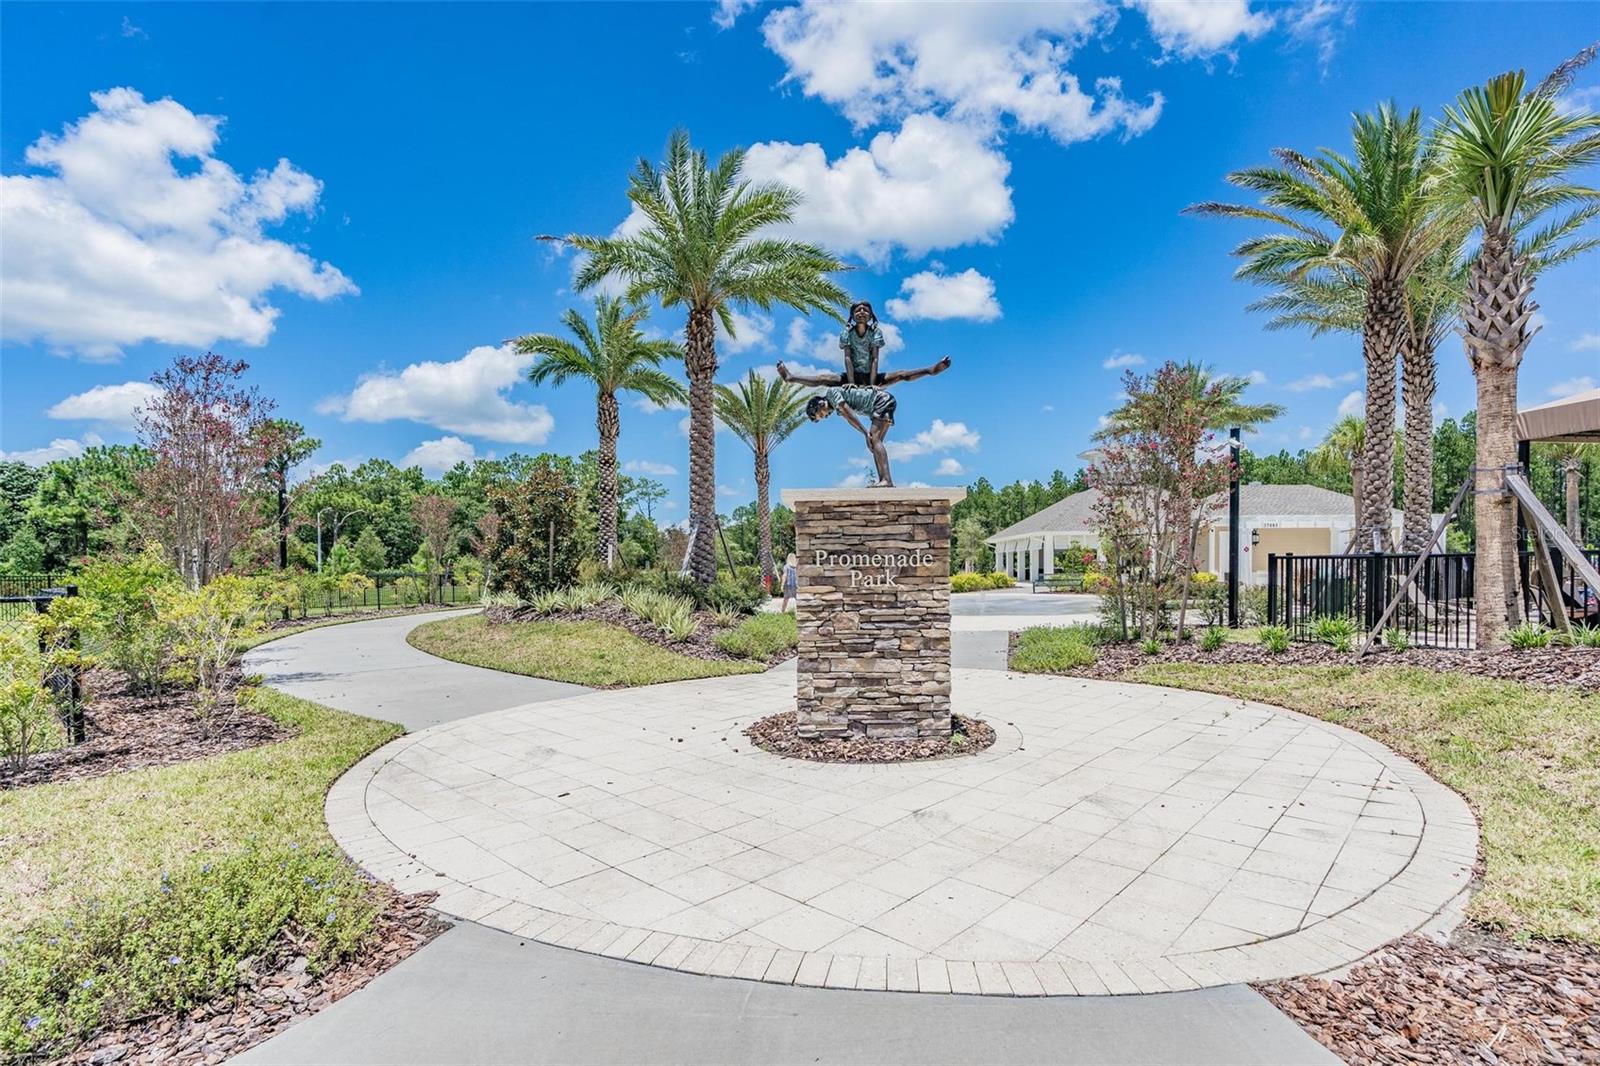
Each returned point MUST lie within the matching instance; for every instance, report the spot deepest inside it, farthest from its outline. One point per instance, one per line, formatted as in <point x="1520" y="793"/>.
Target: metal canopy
<point x="1574" y="419"/>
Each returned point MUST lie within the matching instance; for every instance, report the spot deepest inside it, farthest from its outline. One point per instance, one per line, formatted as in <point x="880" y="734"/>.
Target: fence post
<point x="1272" y="588"/>
<point x="1374" y="597"/>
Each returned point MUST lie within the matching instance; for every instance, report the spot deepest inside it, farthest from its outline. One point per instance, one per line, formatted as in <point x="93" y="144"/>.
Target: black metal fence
<point x="384" y="589"/>
<point x="1435" y="610"/>
<point x="21" y="593"/>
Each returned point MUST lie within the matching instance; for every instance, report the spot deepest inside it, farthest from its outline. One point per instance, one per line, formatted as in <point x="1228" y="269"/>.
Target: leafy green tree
<point x="18" y="483"/>
<point x="613" y="356"/>
<point x="967" y="542"/>
<point x="1454" y="450"/>
<point x="534" y="549"/>
<point x="22" y="553"/>
<point x="82" y="505"/>
<point x="370" y="554"/>
<point x="700" y="249"/>
<point x="1367" y="222"/>
<point x="763" y="413"/>
<point x="1508" y="157"/>
<point x="285" y="445"/>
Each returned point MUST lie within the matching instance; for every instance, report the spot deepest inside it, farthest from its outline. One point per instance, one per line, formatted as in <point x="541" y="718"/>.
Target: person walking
<point x="791" y="581"/>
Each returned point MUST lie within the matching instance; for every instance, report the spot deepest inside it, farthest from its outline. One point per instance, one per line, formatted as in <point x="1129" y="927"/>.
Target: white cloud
<point x="437" y="456"/>
<point x="1353" y="404"/>
<point x="950" y="466"/>
<point x="114" y="406"/>
<point x="1572" y="386"/>
<point x="822" y="345"/>
<point x="648" y="406"/>
<point x="1321" y="381"/>
<point x="983" y="64"/>
<point x="1123" y="359"/>
<point x="936" y="296"/>
<point x="1256" y="377"/>
<point x="60" y="448"/>
<point x="728" y="11"/>
<point x="853" y="481"/>
<point x="941" y="436"/>
<point x="649" y="468"/>
<point x="1588" y="342"/>
<point x="1197" y="28"/>
<point x="933" y="184"/>
<point x="728" y="492"/>
<point x="1305" y="433"/>
<point x="115" y="245"/>
<point x="751" y="330"/>
<point x="1577" y="101"/>
<point x="466" y="395"/>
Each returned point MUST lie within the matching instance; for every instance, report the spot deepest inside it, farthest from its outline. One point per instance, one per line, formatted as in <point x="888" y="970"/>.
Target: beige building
<point x="1274" y="519"/>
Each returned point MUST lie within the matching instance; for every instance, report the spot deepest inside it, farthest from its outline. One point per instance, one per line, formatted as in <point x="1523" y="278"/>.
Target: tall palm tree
<point x="762" y="413"/>
<point x="1506" y="155"/>
<point x="699" y="249"/>
<point x="613" y="356"/>
<point x="1339" y="456"/>
<point x="1571" y="457"/>
<point x="1366" y="217"/>
<point x="1219" y="400"/>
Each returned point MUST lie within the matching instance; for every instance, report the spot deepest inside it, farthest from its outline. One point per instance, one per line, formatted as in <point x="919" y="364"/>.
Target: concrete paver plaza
<point x="1116" y="839"/>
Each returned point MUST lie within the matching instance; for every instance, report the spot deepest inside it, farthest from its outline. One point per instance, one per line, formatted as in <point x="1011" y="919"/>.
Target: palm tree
<point x="1367" y="218"/>
<point x="1218" y="401"/>
<point x="613" y="356"/>
<point x="762" y="413"/>
<point x="1571" y="456"/>
<point x="1336" y="303"/>
<point x="1506" y="156"/>
<point x="699" y="249"/>
<point x="1339" y="456"/>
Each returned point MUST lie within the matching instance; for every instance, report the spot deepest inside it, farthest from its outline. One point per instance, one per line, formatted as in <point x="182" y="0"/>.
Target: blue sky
<point x="1008" y="181"/>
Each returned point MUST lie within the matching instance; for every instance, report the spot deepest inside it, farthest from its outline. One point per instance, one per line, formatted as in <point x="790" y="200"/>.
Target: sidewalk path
<point x="478" y="995"/>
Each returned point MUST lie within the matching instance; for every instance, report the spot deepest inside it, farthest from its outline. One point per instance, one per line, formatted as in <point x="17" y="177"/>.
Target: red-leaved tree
<point x="205" y="433"/>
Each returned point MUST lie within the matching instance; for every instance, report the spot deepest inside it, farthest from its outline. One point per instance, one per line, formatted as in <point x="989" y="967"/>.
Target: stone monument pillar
<point x="873" y="610"/>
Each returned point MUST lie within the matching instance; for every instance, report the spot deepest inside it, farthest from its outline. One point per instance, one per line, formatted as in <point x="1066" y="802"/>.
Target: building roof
<point x="1574" y="419"/>
<point x="1075" y="513"/>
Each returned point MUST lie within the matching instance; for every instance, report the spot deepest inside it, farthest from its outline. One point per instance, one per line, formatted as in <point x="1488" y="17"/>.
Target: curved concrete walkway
<point x="478" y="995"/>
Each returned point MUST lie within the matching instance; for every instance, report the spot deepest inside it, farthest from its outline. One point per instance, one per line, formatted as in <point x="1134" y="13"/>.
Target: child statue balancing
<point x="859" y="392"/>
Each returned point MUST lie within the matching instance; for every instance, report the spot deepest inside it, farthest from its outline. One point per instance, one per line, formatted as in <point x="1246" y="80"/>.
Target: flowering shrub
<point x="980" y="582"/>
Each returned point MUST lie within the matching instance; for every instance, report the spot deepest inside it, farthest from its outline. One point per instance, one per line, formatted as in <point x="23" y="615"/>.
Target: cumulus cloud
<point x="437" y="456"/>
<point x="1198" y="28"/>
<point x="1320" y="381"/>
<point x="116" y="244"/>
<point x="981" y="64"/>
<point x="950" y="466"/>
<point x="1572" y="386"/>
<point x="1588" y="342"/>
<point x="931" y="184"/>
<point x="60" y="448"/>
<point x="1123" y="359"/>
<point x="941" y="436"/>
<point x="466" y="395"/>
<point x="752" y="330"/>
<point x="649" y="468"/>
<point x="113" y="406"/>
<point x="1256" y="377"/>
<point x="822" y="344"/>
<point x="1354" y="403"/>
<point x="937" y="296"/>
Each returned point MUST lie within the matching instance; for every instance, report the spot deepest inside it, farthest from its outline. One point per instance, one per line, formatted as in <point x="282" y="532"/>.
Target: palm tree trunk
<point x="609" y="423"/>
<point x="1382" y="337"/>
<point x="1419" y="380"/>
<point x="1355" y="494"/>
<point x="764" y="516"/>
<point x="1495" y="318"/>
<point x="700" y="362"/>
<point x="1571" y="467"/>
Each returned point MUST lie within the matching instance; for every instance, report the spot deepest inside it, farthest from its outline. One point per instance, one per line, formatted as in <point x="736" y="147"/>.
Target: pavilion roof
<point x="1571" y="419"/>
<point x="1075" y="513"/>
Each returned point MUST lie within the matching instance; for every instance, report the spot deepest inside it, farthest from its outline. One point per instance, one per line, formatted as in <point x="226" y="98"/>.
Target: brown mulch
<point x="1539" y="666"/>
<point x="1479" y="998"/>
<point x="776" y="734"/>
<point x="700" y="646"/>
<point x="277" y="992"/>
<point x="128" y="730"/>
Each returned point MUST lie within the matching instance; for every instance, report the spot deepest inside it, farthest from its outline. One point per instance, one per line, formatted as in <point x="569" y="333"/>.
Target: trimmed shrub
<point x="761" y="636"/>
<point x="1274" y="638"/>
<point x="980" y="582"/>
<point x="1214" y="639"/>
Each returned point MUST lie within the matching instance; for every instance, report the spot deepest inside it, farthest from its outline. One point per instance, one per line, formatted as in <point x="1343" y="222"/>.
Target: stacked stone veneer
<point x="874" y="611"/>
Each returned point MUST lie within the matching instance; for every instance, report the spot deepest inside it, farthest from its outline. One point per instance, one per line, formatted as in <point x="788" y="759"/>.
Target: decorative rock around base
<point x="1116" y="839"/>
<point x="873" y="611"/>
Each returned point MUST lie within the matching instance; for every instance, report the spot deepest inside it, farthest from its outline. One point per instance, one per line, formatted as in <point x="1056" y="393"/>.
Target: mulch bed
<point x="776" y="734"/>
<point x="700" y="646"/>
<point x="277" y="992"/>
<point x="1479" y="998"/>
<point x="128" y="730"/>
<point x="1578" y="667"/>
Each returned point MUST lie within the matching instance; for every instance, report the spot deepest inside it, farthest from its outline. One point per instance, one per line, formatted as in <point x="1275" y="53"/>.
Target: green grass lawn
<point x="1527" y="758"/>
<point x="1052" y="649"/>
<point x="763" y="636"/>
<point x="584" y="653"/>
<point x="140" y="892"/>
